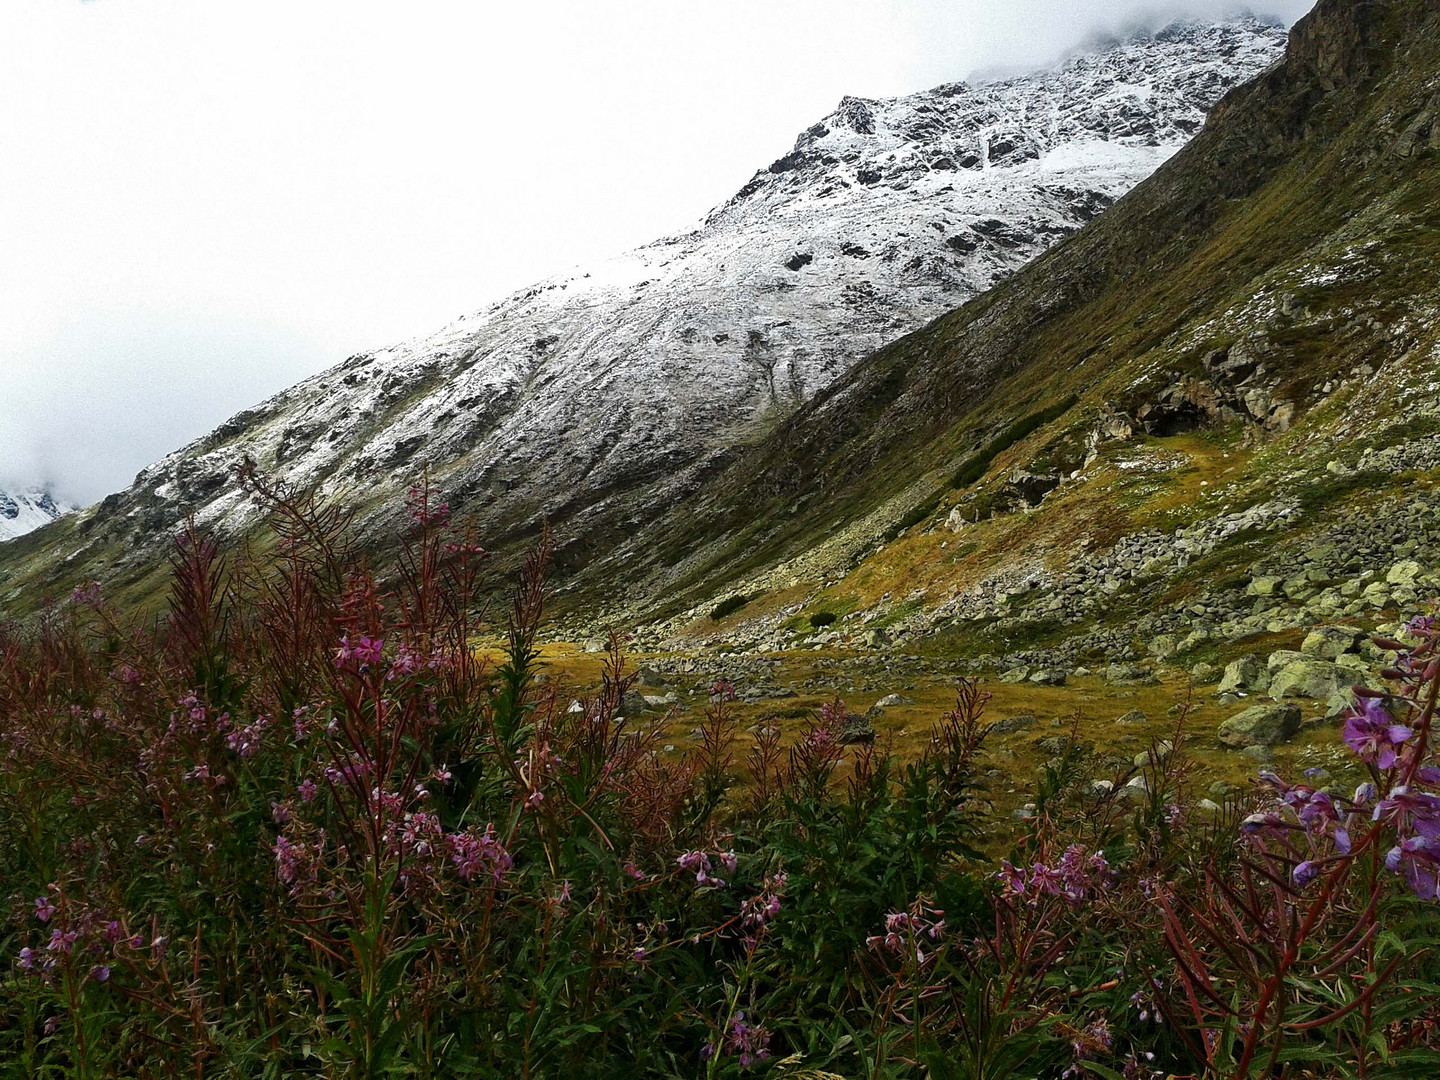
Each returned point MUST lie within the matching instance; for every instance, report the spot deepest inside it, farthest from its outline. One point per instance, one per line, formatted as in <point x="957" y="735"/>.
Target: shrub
<point x="822" y="619"/>
<point x="728" y="606"/>
<point x="302" y="828"/>
<point x="974" y="468"/>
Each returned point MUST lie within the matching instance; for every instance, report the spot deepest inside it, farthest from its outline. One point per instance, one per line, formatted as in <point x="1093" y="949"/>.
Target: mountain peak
<point x="24" y="511"/>
<point x="596" y="399"/>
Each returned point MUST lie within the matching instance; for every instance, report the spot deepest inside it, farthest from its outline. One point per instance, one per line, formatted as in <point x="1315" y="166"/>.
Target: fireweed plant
<point x="301" y="826"/>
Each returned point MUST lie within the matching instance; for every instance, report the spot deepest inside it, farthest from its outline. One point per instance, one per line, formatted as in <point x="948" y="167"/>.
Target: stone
<point x="661" y="701"/>
<point x="1259" y="754"/>
<point x="1313" y="679"/>
<point x="1048" y="677"/>
<point x="1220" y="790"/>
<point x="1203" y="673"/>
<point x="1157" y="755"/>
<point x="634" y="703"/>
<point x="1134" y="716"/>
<point x="1163" y="647"/>
<point x="1015" y="675"/>
<point x="1264" y="725"/>
<point x="1376" y="594"/>
<point x="875" y="639"/>
<point x="854" y="729"/>
<point x="891" y="701"/>
<point x="1100" y="788"/>
<point x="595" y="645"/>
<point x="1012" y="724"/>
<point x="1282" y="658"/>
<point x="1331" y="642"/>
<point x="1263" y="585"/>
<point x="1245" y="675"/>
<point x="1404" y="573"/>
<point x="1123" y="674"/>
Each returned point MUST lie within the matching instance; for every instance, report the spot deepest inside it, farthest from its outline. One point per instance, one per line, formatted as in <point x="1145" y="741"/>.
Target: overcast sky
<point x="203" y="202"/>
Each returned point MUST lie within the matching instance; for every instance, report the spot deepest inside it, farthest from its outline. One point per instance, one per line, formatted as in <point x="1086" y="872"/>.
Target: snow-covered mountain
<point x="24" y="511"/>
<point x="600" y="396"/>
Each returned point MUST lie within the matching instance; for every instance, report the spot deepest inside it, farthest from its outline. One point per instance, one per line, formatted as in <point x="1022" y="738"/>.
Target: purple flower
<point x="1418" y="860"/>
<point x="100" y="973"/>
<point x="308" y="790"/>
<point x="1373" y="734"/>
<point x="44" y="909"/>
<point x="26" y="960"/>
<point x="1012" y="878"/>
<point x="1305" y="873"/>
<point x="1411" y="811"/>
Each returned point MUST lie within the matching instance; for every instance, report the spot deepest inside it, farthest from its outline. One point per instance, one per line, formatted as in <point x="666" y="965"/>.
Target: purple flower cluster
<point x="759" y="911"/>
<point x="1372" y="733"/>
<point x="748" y="1042"/>
<point x="474" y="853"/>
<point x="1087" y="1044"/>
<point x="363" y="652"/>
<point x="82" y="941"/>
<point x="245" y="741"/>
<point x="907" y="932"/>
<point x="1076" y="876"/>
<point x="698" y="863"/>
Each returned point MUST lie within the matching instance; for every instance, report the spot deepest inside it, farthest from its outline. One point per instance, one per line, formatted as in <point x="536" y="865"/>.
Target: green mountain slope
<point x="1263" y="306"/>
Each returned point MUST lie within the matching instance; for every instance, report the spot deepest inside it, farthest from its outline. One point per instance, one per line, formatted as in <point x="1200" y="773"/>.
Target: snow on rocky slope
<point x="24" y="511"/>
<point x="598" y="396"/>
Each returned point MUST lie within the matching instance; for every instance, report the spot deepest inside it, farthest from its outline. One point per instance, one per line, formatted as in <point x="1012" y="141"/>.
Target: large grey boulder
<point x="1283" y="658"/>
<point x="1128" y="675"/>
<point x="1246" y="675"/>
<point x="854" y="729"/>
<point x="1331" y="642"/>
<point x="1261" y="725"/>
<point x="1313" y="679"/>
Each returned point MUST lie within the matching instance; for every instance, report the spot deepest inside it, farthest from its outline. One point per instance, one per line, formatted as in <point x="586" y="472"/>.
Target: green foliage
<point x="728" y="606"/>
<point x="976" y="466"/>
<point x="300" y="830"/>
<point x="821" y="619"/>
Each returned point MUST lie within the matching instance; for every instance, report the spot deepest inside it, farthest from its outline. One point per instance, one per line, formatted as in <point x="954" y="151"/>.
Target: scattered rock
<point x="1124" y="674"/>
<point x="1313" y="679"/>
<point x="634" y="703"/>
<point x="890" y="701"/>
<point x="1331" y="642"/>
<point x="1264" y="725"/>
<point x="1012" y="724"/>
<point x="1404" y="573"/>
<point x="855" y="729"/>
<point x="1245" y="675"/>
<point x="1134" y="716"/>
<point x="1048" y="677"/>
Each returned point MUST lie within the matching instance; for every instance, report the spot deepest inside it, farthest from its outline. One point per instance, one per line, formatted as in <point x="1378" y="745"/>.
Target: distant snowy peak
<point x="1146" y="93"/>
<point x="26" y="511"/>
